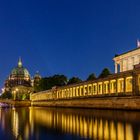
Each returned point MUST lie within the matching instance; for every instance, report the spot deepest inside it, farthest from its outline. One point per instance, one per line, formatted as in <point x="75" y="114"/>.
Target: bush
<point x="6" y="95"/>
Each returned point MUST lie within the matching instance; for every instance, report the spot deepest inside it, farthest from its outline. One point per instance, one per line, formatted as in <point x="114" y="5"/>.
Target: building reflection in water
<point x="26" y="123"/>
<point x="15" y="123"/>
<point x="90" y="125"/>
<point x="19" y="124"/>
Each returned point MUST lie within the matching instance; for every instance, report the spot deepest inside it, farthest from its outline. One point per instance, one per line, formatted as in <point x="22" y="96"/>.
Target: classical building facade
<point x="113" y="84"/>
<point x="19" y="82"/>
<point x="126" y="61"/>
<point x="124" y="83"/>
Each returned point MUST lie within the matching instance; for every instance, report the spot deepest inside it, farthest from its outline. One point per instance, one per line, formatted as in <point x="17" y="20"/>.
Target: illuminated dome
<point x="20" y="71"/>
<point x="19" y="76"/>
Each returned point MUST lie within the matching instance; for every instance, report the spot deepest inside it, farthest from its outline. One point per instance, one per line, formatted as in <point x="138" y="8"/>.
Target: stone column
<point x="124" y="86"/>
<point x="121" y="66"/>
<point x="80" y="90"/>
<point x="57" y="94"/>
<point x="126" y="64"/>
<point x="103" y="88"/>
<point x="135" y="88"/>
<point x="116" y="67"/>
<point x="84" y="91"/>
<point x="73" y="92"/>
<point x="116" y="88"/>
<point x="109" y="87"/>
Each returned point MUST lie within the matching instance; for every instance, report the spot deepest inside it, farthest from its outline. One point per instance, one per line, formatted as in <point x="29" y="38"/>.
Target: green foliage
<point x="74" y="80"/>
<point x="20" y="96"/>
<point x="6" y="95"/>
<point x="36" y="84"/>
<point x="104" y="73"/>
<point x="23" y="96"/>
<point x="91" y="77"/>
<point x="49" y="82"/>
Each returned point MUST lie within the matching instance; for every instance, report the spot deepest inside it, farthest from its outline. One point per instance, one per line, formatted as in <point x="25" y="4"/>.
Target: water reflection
<point x="49" y="123"/>
<point x="90" y="124"/>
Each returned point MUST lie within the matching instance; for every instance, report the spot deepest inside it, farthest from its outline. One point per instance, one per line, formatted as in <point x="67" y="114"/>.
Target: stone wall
<point x="116" y="102"/>
<point x="13" y="103"/>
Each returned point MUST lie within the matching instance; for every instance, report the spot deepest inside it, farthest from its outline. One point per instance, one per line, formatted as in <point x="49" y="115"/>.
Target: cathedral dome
<point x="20" y="71"/>
<point x="19" y="76"/>
<point x="19" y="82"/>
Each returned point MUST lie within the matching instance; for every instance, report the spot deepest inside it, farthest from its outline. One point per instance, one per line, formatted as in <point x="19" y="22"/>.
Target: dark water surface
<point x="60" y="124"/>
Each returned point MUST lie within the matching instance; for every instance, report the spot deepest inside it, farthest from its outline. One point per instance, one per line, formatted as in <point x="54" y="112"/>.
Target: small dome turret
<point x="37" y="75"/>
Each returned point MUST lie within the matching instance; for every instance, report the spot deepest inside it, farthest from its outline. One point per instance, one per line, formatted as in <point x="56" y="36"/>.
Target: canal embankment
<point x="102" y="102"/>
<point x="15" y="103"/>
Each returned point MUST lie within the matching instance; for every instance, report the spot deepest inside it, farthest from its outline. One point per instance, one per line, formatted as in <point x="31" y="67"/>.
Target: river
<point x="36" y="123"/>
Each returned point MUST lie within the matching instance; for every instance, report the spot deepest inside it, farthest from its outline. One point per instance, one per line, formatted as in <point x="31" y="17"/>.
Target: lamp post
<point x="16" y="89"/>
<point x="15" y="92"/>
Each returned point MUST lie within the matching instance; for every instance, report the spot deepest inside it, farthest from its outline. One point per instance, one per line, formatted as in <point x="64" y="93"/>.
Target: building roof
<point x="127" y="52"/>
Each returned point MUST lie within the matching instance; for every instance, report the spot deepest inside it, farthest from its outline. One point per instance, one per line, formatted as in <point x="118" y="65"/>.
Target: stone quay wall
<point x="116" y="102"/>
<point x="14" y="103"/>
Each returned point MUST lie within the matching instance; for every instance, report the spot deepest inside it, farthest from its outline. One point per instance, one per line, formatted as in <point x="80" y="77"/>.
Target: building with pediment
<point x="126" y="61"/>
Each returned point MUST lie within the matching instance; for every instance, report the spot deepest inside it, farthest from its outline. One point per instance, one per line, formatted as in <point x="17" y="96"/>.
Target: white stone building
<point x="126" y="61"/>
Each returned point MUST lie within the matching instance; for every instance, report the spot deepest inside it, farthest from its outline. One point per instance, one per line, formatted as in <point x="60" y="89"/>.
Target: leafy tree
<point x="59" y="80"/>
<point x="41" y="85"/>
<point x="74" y="80"/>
<point x="91" y="77"/>
<point x="49" y="82"/>
<point x="6" y="95"/>
<point x="36" y="84"/>
<point x="104" y="73"/>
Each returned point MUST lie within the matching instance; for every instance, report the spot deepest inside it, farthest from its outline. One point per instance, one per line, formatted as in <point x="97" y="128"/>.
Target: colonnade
<point x="126" y="63"/>
<point x="85" y="89"/>
<point x="120" y="85"/>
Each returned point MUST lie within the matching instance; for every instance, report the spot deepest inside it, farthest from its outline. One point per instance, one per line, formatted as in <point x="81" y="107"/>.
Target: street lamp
<point x="16" y="89"/>
<point x="15" y="92"/>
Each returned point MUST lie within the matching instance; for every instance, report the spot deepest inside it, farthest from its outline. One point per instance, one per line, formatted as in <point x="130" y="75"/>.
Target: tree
<point x="91" y="77"/>
<point x="59" y="80"/>
<point x="49" y="82"/>
<point x="6" y="95"/>
<point x="104" y="73"/>
<point x="74" y="80"/>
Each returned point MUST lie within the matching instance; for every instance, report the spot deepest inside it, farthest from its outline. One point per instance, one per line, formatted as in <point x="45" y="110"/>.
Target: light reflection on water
<point x="49" y="123"/>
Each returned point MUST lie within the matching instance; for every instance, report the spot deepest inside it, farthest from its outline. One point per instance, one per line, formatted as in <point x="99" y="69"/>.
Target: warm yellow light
<point x="16" y="89"/>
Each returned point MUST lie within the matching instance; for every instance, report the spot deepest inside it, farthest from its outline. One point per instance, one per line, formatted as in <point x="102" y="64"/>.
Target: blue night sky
<point x="70" y="37"/>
